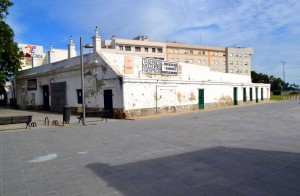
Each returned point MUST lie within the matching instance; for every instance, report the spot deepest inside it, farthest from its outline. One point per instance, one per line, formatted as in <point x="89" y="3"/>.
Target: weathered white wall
<point x="134" y="90"/>
<point x="98" y="76"/>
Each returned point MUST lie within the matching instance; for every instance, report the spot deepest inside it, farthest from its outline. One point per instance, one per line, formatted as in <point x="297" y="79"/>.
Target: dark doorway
<point x="46" y="97"/>
<point x="244" y="94"/>
<point x="256" y="94"/>
<point x="108" y="102"/>
<point x="201" y="99"/>
<point x="235" y="101"/>
<point x="58" y="96"/>
<point x="251" y="94"/>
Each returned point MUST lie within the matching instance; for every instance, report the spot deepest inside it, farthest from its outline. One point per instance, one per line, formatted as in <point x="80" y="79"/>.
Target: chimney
<point x="71" y="49"/>
<point x="51" y="54"/>
<point x="96" y="41"/>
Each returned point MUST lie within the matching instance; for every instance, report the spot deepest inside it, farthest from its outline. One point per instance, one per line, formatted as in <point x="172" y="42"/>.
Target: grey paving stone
<point x="249" y="148"/>
<point x="248" y="190"/>
<point x="21" y="193"/>
<point x="14" y="187"/>
<point x="40" y="187"/>
<point x="67" y="189"/>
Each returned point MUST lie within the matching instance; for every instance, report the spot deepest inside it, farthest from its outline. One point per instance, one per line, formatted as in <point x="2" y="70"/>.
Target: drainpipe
<point x="156" y="98"/>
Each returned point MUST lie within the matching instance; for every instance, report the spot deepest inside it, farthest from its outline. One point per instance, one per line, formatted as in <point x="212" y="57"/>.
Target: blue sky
<point x="271" y="27"/>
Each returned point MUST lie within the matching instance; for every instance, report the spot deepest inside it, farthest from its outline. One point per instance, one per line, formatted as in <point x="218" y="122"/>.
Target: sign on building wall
<point x="31" y="84"/>
<point x="169" y="68"/>
<point x="156" y="66"/>
<point x="128" y="65"/>
<point x="151" y="66"/>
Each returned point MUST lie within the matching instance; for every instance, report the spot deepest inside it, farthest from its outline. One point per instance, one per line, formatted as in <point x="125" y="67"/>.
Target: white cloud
<point x="270" y="26"/>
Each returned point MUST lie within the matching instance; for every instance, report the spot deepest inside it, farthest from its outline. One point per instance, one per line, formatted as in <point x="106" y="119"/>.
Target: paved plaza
<point x="249" y="150"/>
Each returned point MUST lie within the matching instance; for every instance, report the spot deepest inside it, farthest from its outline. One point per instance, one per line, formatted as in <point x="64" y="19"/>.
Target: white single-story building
<point x="131" y="86"/>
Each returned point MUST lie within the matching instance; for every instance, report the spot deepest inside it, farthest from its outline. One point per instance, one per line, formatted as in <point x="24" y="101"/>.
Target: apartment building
<point x="220" y="59"/>
<point x="139" y="46"/>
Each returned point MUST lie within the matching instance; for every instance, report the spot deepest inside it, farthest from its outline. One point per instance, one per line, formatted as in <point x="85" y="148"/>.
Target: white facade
<point x="130" y="85"/>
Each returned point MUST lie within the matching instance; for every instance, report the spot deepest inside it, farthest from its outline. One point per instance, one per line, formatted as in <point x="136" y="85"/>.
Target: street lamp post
<point x="82" y="78"/>
<point x="283" y="75"/>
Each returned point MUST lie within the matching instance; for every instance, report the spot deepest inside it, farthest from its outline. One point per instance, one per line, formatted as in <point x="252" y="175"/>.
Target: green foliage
<point x="4" y="4"/>
<point x="277" y="92"/>
<point x="277" y="84"/>
<point x="9" y="51"/>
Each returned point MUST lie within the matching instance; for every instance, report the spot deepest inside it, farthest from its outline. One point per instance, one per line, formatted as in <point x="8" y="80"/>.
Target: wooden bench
<point x="5" y="120"/>
<point x="102" y="114"/>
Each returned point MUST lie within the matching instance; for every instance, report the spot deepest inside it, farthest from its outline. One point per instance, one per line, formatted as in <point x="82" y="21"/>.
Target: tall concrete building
<point x="139" y="46"/>
<point x="220" y="59"/>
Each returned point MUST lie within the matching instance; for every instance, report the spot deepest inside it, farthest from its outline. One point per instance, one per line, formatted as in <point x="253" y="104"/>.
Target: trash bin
<point x="66" y="115"/>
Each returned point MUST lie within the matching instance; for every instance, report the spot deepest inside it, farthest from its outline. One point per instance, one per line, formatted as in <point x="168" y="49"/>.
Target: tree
<point x="276" y="83"/>
<point x="9" y="51"/>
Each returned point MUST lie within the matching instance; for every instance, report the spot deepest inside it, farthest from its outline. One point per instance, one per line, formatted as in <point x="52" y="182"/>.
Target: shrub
<point x="277" y="92"/>
<point x="293" y="93"/>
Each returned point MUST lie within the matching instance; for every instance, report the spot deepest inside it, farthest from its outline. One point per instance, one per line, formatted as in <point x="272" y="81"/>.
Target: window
<point x="203" y="52"/>
<point x="246" y="63"/>
<point x="191" y="61"/>
<point x="231" y="70"/>
<point x="240" y="62"/>
<point x="230" y="54"/>
<point x="79" y="96"/>
<point x="236" y="55"/>
<point x="245" y="55"/>
<point x="176" y="51"/>
<point x="217" y="62"/>
<point x="121" y="48"/>
<point x="171" y="50"/>
<point x="240" y="55"/>
<point x="177" y="60"/>
<point x="138" y="49"/>
<point x="159" y="50"/>
<point x="200" y="61"/>
<point x="213" y="62"/>
<point x="246" y="71"/>
<point x="185" y="51"/>
<point x="153" y="50"/>
<point x="146" y="49"/>
<point x="127" y="48"/>
<point x="224" y="62"/>
<point x="237" y="63"/>
<point x="203" y="61"/>
<point x="191" y="51"/>
<point x="186" y="60"/>
<point x="231" y="62"/>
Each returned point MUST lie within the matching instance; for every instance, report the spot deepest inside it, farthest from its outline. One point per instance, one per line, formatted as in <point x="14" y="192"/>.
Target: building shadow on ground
<point x="213" y="171"/>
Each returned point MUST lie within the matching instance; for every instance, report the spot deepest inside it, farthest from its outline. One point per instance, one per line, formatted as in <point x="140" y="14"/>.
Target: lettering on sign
<point x="151" y="66"/>
<point x="169" y="68"/>
<point x="31" y="84"/>
<point x="156" y="66"/>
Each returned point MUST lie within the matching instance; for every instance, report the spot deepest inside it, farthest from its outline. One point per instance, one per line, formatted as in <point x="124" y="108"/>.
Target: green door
<point x="244" y="94"/>
<point x="201" y="99"/>
<point x="256" y="94"/>
<point x="251" y="99"/>
<point x="235" y="102"/>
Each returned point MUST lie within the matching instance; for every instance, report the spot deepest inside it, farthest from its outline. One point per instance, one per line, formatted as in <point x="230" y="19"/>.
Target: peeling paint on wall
<point x="192" y="96"/>
<point x="179" y="97"/>
<point x="227" y="100"/>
